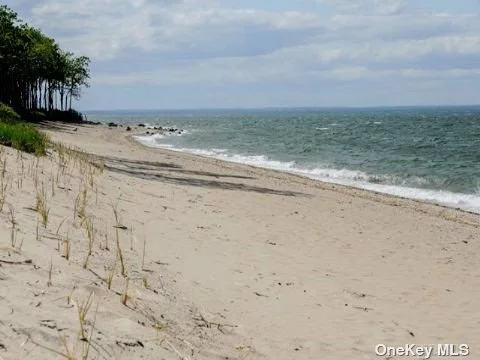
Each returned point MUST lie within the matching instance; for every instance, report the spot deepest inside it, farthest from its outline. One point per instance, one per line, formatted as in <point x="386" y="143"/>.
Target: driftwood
<point x="22" y="262"/>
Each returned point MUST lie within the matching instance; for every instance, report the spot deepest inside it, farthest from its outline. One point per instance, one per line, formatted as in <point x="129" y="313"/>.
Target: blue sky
<point x="166" y="54"/>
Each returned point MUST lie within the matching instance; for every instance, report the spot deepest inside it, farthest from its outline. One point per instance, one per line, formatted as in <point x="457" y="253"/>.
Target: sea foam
<point x="358" y="179"/>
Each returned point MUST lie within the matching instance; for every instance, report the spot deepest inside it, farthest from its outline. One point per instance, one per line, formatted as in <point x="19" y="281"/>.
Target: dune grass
<point x="16" y="133"/>
<point x="24" y="137"/>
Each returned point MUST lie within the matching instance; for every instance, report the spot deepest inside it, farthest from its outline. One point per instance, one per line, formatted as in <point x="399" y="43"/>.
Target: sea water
<point x="424" y="153"/>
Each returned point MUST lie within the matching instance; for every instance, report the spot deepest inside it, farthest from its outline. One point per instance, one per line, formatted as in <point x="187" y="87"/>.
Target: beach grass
<point x="24" y="137"/>
<point x="41" y="205"/>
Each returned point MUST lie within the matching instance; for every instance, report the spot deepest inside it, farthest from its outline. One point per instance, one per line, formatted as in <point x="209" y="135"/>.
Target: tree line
<point x="35" y="73"/>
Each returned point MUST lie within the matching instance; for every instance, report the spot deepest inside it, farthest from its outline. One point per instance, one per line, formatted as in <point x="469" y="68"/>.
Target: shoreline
<point x="370" y="187"/>
<point x="385" y="197"/>
<point x="238" y="261"/>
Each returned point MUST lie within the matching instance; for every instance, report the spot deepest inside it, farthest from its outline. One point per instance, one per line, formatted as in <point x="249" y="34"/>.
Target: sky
<point x="183" y="54"/>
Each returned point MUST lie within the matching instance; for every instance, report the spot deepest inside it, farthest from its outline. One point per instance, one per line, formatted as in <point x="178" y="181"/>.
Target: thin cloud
<point x="188" y="43"/>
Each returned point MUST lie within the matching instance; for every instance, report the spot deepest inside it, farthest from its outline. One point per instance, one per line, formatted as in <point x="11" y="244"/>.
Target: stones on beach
<point x="141" y="125"/>
<point x="129" y="128"/>
<point x="162" y="130"/>
<point x="112" y="124"/>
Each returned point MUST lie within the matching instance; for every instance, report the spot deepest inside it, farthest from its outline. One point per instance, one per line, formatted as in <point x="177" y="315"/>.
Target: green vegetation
<point x="18" y="134"/>
<point x="38" y="81"/>
<point x="37" y="77"/>
<point x="7" y="114"/>
<point x="24" y="137"/>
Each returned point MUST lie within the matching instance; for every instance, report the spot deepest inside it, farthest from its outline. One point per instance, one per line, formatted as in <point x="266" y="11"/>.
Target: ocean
<point x="424" y="153"/>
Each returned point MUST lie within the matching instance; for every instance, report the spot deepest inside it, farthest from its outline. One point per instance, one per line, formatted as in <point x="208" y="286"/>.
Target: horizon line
<point x="281" y="108"/>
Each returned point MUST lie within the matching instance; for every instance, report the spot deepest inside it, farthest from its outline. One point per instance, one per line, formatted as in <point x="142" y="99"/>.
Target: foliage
<point x="8" y="114"/>
<point x="23" y="137"/>
<point x="35" y="73"/>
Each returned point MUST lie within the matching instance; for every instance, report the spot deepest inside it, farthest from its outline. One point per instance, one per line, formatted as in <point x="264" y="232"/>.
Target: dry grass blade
<point x="119" y="248"/>
<point x="41" y="206"/>
<point x="124" y="297"/>
<point x="13" y="224"/>
<point x="83" y="309"/>
<point x="110" y="273"/>
<point x="89" y="228"/>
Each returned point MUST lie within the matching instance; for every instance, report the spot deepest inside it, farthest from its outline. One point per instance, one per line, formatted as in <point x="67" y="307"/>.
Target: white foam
<point x="149" y="140"/>
<point x="347" y="177"/>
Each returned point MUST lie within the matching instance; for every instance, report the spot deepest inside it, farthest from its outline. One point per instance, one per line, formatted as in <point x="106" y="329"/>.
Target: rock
<point x="141" y="125"/>
<point x="129" y="128"/>
<point x="112" y="124"/>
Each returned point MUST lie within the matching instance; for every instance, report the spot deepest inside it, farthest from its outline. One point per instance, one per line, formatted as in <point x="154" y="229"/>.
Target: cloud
<point x="105" y="28"/>
<point x="384" y="7"/>
<point x="208" y="43"/>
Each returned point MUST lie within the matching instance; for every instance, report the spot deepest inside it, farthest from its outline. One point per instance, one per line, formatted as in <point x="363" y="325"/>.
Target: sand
<point x="240" y="262"/>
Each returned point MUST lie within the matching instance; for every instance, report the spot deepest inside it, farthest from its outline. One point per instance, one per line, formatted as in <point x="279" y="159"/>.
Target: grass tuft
<point x="41" y="206"/>
<point x="23" y="137"/>
<point x="83" y="309"/>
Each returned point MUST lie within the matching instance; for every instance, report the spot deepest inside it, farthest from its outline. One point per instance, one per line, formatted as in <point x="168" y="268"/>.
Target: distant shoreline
<point x="274" y="108"/>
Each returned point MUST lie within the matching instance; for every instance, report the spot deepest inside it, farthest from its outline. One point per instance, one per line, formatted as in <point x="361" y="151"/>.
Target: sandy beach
<point x="221" y="260"/>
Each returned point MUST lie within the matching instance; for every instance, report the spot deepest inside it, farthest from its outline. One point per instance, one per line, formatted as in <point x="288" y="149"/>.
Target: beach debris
<point x="259" y="294"/>
<point x="364" y="308"/>
<point x="162" y="130"/>
<point x="203" y="322"/>
<point x="355" y="293"/>
<point x="409" y="331"/>
<point x="51" y="324"/>
<point x="22" y="262"/>
<point x="130" y="343"/>
<point x="161" y="263"/>
<point x="121" y="227"/>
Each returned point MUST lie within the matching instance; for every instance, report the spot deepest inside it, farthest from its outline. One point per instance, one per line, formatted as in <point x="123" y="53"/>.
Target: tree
<point x="35" y="73"/>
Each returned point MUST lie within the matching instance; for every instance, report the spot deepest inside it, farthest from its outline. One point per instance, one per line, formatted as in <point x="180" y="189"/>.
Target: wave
<point x="383" y="184"/>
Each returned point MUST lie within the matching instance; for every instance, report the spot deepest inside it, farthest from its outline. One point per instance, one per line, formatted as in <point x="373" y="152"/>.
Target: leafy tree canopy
<point x="35" y="73"/>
